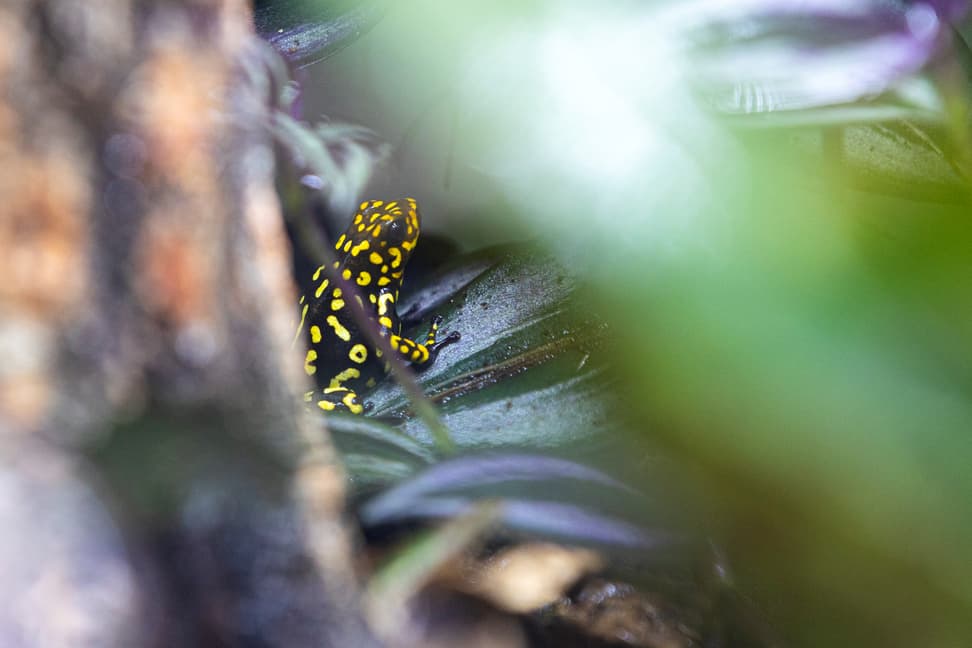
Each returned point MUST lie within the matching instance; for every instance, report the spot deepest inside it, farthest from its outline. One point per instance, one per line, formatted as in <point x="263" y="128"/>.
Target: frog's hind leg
<point x="337" y="398"/>
<point x="423" y="355"/>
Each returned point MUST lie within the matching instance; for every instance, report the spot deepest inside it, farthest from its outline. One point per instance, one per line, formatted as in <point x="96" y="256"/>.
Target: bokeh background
<point x="769" y="202"/>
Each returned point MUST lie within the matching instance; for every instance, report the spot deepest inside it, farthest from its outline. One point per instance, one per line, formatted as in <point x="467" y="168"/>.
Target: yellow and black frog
<point x="371" y="256"/>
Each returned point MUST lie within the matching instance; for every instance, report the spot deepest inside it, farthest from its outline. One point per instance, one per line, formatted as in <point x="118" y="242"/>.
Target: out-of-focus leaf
<point x="903" y="158"/>
<point x="804" y="343"/>
<point x="374" y="453"/>
<point x="951" y="10"/>
<point x="418" y="562"/>
<point x="565" y="522"/>
<point x="453" y="487"/>
<point x="308" y="31"/>
<point x="917" y="100"/>
<point x="898" y="158"/>
<point x="764" y="55"/>
<point x="333" y="160"/>
<point x="479" y="471"/>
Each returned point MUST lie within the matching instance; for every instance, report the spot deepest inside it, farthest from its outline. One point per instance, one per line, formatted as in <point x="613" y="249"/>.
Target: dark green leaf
<point x="527" y="371"/>
<point x="308" y="31"/>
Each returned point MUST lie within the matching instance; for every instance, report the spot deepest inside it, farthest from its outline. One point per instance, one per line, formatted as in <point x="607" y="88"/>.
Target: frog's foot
<point x="435" y="345"/>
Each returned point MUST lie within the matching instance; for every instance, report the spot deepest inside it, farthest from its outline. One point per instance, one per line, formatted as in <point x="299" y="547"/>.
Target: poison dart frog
<point x="371" y="257"/>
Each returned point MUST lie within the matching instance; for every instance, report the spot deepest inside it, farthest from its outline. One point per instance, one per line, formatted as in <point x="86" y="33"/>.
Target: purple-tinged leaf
<point x="546" y="518"/>
<point x="949" y="10"/>
<point x="760" y="56"/>
<point x="482" y="470"/>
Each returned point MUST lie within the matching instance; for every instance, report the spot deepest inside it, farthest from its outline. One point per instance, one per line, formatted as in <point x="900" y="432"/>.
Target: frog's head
<point x="389" y="225"/>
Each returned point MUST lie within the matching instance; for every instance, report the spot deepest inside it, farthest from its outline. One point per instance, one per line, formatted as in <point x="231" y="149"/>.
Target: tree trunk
<point x="159" y="483"/>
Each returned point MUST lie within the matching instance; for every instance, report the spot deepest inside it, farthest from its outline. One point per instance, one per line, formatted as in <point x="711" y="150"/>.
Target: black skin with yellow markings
<point x="371" y="255"/>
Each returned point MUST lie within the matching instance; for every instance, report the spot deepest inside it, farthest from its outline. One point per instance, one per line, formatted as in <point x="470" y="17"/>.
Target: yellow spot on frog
<point x="383" y="281"/>
<point x="336" y="381"/>
<point x="320" y="289"/>
<point x="358" y="353"/>
<point x="376" y="258"/>
<point x="396" y="256"/>
<point x="386" y="322"/>
<point x="346" y="274"/>
<point x="315" y="332"/>
<point x="337" y="304"/>
<point x="327" y="406"/>
<point x="339" y="329"/>
<point x="383" y="300"/>
<point x="364" y="278"/>
<point x="309" y="360"/>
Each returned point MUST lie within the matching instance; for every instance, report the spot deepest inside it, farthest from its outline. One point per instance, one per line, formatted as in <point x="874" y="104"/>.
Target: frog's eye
<point x="394" y="231"/>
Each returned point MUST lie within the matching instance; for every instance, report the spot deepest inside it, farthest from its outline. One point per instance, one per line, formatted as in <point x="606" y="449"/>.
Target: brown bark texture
<point x="159" y="484"/>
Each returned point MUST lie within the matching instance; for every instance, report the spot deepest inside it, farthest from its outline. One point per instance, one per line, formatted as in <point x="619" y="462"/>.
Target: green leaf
<point x="375" y="453"/>
<point x="528" y="371"/>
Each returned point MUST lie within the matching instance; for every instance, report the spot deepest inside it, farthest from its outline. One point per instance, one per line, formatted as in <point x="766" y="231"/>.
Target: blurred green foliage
<point x="788" y="301"/>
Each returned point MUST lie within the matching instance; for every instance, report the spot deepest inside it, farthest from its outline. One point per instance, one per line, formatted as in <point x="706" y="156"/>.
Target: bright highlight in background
<point x="586" y="122"/>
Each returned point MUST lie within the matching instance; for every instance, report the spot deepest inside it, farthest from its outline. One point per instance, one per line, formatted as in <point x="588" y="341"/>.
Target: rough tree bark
<point x="159" y="484"/>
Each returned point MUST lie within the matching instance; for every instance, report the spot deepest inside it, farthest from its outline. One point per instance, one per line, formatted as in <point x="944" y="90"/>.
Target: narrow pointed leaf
<point x="551" y="519"/>
<point x="480" y="471"/>
<point x="308" y="31"/>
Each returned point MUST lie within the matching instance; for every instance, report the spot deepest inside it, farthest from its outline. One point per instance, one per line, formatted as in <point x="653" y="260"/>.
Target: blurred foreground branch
<point x="158" y="485"/>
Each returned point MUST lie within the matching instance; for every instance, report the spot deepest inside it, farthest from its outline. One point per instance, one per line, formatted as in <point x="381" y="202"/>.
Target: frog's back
<point x="370" y="257"/>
